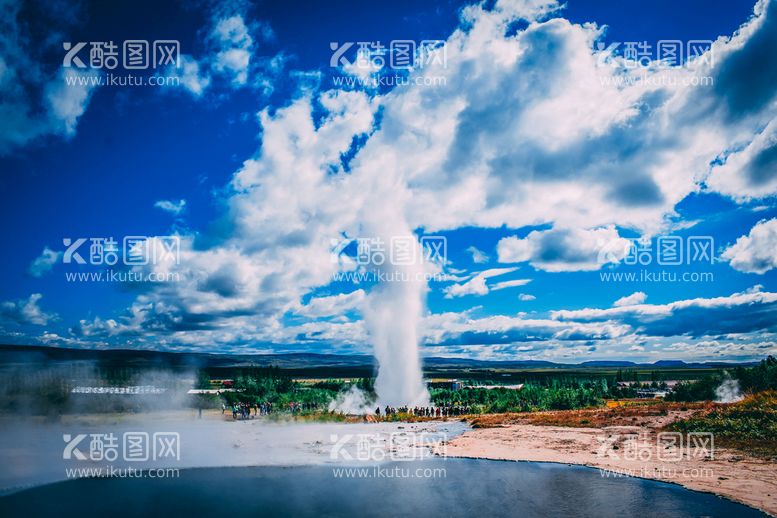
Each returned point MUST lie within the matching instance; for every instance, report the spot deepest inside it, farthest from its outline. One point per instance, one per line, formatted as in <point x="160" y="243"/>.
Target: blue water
<point x="464" y="487"/>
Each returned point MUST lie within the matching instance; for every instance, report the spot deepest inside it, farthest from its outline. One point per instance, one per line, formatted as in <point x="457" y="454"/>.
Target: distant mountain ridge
<point x="27" y="354"/>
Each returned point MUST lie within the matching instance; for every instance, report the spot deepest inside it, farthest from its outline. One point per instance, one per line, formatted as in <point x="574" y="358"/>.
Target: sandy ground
<point x="625" y="450"/>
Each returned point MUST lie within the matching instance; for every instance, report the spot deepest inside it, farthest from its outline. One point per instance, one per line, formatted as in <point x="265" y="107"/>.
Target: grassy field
<point x="749" y="425"/>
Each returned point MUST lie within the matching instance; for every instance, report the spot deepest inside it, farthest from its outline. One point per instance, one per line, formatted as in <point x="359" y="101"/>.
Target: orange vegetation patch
<point x="654" y="414"/>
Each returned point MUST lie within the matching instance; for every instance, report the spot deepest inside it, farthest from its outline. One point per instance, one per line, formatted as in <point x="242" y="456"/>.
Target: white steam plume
<point x="394" y="309"/>
<point x="393" y="315"/>
<point x="352" y="401"/>
<point x="728" y="391"/>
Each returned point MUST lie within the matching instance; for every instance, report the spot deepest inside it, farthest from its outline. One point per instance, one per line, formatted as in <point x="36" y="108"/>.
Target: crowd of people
<point x="426" y="411"/>
<point x="248" y="410"/>
<point x="296" y="407"/>
<point x="243" y="411"/>
<point x="251" y="410"/>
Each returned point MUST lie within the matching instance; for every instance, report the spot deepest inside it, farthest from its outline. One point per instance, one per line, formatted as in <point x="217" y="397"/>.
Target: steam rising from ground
<point x="74" y="388"/>
<point x="31" y="453"/>
<point x="351" y="401"/>
<point x="728" y="391"/>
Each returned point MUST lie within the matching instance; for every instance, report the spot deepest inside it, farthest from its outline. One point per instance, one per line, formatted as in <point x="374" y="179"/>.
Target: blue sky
<point x="537" y="151"/>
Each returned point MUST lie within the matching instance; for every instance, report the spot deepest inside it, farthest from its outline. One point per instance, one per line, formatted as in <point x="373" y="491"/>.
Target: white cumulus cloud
<point x="25" y="311"/>
<point x="755" y="252"/>
<point x="476" y="285"/>
<point x="635" y="298"/>
<point x="173" y="207"/>
<point x="478" y="256"/>
<point x="565" y="250"/>
<point x="44" y="262"/>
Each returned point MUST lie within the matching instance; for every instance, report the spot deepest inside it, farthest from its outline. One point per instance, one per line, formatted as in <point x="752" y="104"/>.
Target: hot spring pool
<point x="439" y="487"/>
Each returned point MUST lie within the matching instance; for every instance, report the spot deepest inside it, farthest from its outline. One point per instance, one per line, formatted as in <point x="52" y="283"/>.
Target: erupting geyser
<point x="394" y="309"/>
<point x="393" y="317"/>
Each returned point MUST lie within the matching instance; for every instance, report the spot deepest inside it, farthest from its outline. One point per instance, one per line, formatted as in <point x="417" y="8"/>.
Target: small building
<point x="518" y="386"/>
<point x="452" y="384"/>
<point x="210" y="391"/>
<point x="651" y="393"/>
